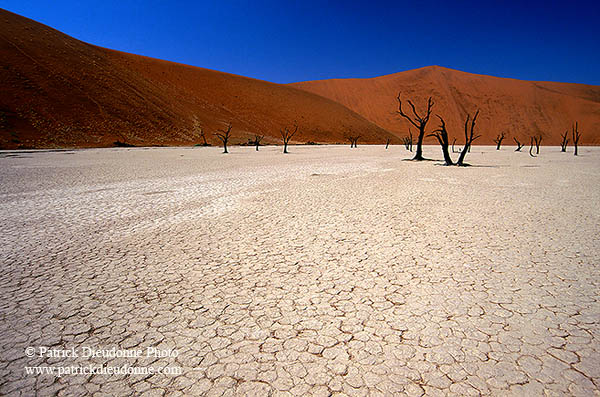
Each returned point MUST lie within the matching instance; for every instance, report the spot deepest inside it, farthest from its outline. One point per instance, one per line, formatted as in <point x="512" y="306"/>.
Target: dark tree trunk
<point x="420" y="122"/>
<point x="531" y="148"/>
<point x="224" y="135"/>
<point x="442" y="136"/>
<point x="538" y="141"/>
<point x="287" y="135"/>
<point x="576" y="136"/>
<point x="419" y="153"/>
<point x="469" y="138"/>
<point x="519" y="145"/>
<point x="499" y="140"/>
<point x="564" y="142"/>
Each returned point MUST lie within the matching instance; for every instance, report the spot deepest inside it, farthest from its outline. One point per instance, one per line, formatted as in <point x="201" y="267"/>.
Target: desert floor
<point x="327" y="270"/>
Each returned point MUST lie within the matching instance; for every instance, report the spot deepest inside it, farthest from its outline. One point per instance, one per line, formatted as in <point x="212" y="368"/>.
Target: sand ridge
<point x="519" y="108"/>
<point x="60" y="92"/>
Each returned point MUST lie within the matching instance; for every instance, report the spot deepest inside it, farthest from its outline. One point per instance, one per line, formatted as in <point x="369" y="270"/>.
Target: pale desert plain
<point x="326" y="271"/>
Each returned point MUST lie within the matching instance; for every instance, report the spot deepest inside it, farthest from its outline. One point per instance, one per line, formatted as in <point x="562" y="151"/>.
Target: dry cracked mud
<point x="328" y="271"/>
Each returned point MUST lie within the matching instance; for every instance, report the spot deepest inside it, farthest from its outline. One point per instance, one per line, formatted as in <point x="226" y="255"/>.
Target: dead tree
<point x="537" y="140"/>
<point x="442" y="136"/>
<point x="453" y="142"/>
<point x="469" y="138"/>
<point x="531" y="143"/>
<point x="576" y="136"/>
<point x="564" y="142"/>
<point x="203" y="136"/>
<point x="408" y="140"/>
<point x="353" y="140"/>
<point x="224" y="136"/>
<point x="198" y="127"/>
<point x="498" y="140"/>
<point x="387" y="143"/>
<point x="418" y="121"/>
<point x="519" y="145"/>
<point x="257" y="139"/>
<point x="286" y="135"/>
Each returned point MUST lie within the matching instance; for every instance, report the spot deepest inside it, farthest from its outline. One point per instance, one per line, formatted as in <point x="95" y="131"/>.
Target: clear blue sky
<point x="286" y="41"/>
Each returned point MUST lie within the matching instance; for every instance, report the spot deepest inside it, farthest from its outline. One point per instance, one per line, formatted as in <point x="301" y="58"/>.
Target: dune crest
<point x="518" y="108"/>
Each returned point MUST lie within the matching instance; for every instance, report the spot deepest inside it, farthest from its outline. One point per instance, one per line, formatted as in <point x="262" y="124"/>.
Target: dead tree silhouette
<point x="537" y="140"/>
<point x="453" y="142"/>
<point x="224" y="136"/>
<point x="564" y="141"/>
<point x="418" y="121"/>
<point x="407" y="140"/>
<point x="287" y="135"/>
<point x="531" y="143"/>
<point x="442" y="136"/>
<point x="499" y="139"/>
<point x="469" y="138"/>
<point x="576" y="136"/>
<point x="257" y="139"/>
<point x="519" y="145"/>
<point x="353" y="140"/>
<point x="198" y="127"/>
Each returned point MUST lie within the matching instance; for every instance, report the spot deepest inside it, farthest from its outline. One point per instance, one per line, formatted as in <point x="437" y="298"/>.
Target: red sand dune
<point x="57" y="91"/>
<point x="518" y="108"/>
<point x="60" y="92"/>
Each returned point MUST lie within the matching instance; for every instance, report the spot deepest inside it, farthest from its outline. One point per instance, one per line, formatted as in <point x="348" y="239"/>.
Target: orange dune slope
<point x="518" y="108"/>
<point x="57" y="91"/>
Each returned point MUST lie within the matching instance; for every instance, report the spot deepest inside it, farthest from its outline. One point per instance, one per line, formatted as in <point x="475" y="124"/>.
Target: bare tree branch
<point x="419" y="122"/>
<point x="287" y="135"/>
<point x="224" y="136"/>
<point x="519" y="145"/>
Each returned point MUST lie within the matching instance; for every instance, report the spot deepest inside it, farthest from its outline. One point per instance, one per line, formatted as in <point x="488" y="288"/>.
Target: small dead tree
<point x="353" y="140"/>
<point x="203" y="136"/>
<point x="470" y="137"/>
<point x="499" y="139"/>
<point x="531" y="143"/>
<point x="519" y="145"/>
<point x="564" y="141"/>
<point x="442" y="136"/>
<point x="257" y="139"/>
<point x="200" y="130"/>
<point x="408" y="141"/>
<point x="287" y="135"/>
<point x="418" y="121"/>
<point x="576" y="136"/>
<point x="453" y="142"/>
<point x="537" y="140"/>
<point x="387" y="143"/>
<point x="224" y="136"/>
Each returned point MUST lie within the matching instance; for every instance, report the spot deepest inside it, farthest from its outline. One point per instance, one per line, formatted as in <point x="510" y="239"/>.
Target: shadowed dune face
<point x="58" y="91"/>
<point x="518" y="108"/>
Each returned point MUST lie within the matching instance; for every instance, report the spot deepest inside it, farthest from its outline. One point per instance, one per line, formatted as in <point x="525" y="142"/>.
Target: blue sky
<point x="287" y="41"/>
